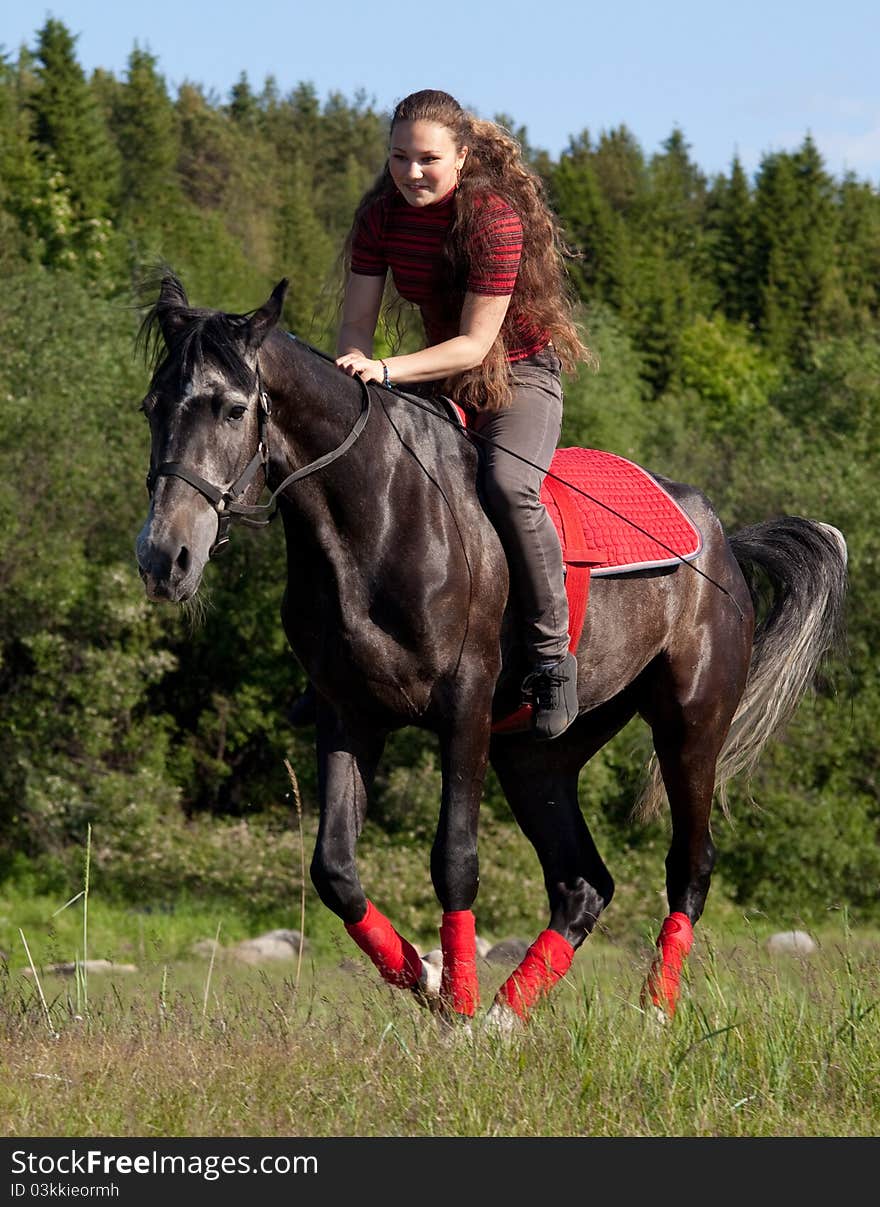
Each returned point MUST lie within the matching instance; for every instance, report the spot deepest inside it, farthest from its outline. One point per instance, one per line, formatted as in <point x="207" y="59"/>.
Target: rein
<point x="227" y="502"/>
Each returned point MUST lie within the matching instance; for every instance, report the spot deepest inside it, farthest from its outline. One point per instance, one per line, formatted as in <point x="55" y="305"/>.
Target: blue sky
<point x="748" y="77"/>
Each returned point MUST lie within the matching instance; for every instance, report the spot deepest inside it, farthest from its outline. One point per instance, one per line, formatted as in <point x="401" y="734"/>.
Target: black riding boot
<point x="551" y="689"/>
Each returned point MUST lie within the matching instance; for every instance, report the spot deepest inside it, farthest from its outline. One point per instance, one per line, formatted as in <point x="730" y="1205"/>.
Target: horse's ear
<point x="263" y="320"/>
<point x="172" y="308"/>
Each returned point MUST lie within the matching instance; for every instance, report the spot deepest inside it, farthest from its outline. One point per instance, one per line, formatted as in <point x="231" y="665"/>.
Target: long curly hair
<point x="541" y="297"/>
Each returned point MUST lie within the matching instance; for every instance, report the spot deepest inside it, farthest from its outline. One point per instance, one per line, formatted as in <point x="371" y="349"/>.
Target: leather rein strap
<point x="227" y="502"/>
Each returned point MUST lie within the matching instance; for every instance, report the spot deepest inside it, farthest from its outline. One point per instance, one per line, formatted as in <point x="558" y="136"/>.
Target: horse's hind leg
<point x="346" y="766"/>
<point x="540" y="784"/>
<point x="689" y="725"/>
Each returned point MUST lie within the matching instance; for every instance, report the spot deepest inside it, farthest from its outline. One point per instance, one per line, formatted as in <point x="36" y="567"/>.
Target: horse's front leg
<point x="464" y="747"/>
<point x="347" y="761"/>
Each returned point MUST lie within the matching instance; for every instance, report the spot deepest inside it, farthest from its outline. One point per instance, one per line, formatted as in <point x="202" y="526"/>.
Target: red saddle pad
<point x="628" y="522"/>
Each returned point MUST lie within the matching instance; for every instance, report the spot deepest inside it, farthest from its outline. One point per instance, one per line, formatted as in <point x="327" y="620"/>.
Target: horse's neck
<point x="406" y="484"/>
<point x="314" y="406"/>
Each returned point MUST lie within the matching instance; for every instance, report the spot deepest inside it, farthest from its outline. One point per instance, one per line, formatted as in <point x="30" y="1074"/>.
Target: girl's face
<point x="424" y="161"/>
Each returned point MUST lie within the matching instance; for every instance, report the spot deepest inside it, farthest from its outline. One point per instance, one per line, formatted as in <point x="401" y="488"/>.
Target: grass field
<point x="762" y="1045"/>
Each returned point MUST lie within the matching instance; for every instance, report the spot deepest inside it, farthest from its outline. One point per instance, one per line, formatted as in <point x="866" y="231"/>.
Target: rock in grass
<point x="274" y="945"/>
<point x="205" y="948"/>
<point x="791" y="943"/>
<point x="88" y="966"/>
<point x="508" y="951"/>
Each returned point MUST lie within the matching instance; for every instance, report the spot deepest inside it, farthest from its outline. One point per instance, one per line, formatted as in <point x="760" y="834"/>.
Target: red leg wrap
<point x="548" y="959"/>
<point x="664" y="979"/>
<point x="398" y="961"/>
<point x="459" y="987"/>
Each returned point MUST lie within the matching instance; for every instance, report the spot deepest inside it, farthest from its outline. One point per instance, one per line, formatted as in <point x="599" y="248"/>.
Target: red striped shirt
<point x="409" y="239"/>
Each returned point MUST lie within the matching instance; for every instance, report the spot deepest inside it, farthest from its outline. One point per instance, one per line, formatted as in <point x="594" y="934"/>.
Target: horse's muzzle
<point x="170" y="571"/>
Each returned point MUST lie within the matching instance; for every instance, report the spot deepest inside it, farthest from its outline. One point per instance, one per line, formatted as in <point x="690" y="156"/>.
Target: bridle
<point x="227" y="503"/>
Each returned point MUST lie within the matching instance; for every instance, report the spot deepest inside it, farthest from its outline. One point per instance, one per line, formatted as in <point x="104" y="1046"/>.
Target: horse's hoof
<point x="432" y="974"/>
<point x="427" y="989"/>
<point x="456" y="1030"/>
<point x="656" y="1017"/>
<point x="503" y="1021"/>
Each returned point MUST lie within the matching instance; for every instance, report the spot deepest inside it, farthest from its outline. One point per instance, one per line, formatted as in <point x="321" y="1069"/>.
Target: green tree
<point x="593" y="228"/>
<point x="795" y="244"/>
<point x="23" y="200"/>
<point x="307" y="254"/>
<point x="620" y="168"/>
<point x="731" y="233"/>
<point x="148" y="136"/>
<point x="669" y="285"/>
<point x="858" y="250"/>
<point x="69" y="125"/>
<point x="244" y="108"/>
<point x="731" y="375"/>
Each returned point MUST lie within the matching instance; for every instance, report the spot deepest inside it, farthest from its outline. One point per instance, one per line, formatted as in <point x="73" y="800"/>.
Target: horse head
<point x="207" y="411"/>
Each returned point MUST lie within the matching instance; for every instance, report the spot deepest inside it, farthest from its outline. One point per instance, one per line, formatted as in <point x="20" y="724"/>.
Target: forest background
<point x="735" y="319"/>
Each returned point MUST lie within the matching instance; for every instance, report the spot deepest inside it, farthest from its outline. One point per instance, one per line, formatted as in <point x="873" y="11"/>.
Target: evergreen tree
<point x="69" y="125"/>
<point x="205" y="154"/>
<point x="732" y="255"/>
<point x="244" y="108"/>
<point x="306" y="254"/>
<point x="148" y="138"/>
<point x="232" y="184"/>
<point x="301" y="134"/>
<point x="620" y="169"/>
<point x="23" y="200"/>
<point x="591" y="226"/>
<point x="669" y="286"/>
<point x="678" y="189"/>
<point x="353" y="149"/>
<point x="858" y="250"/>
<point x="795" y="238"/>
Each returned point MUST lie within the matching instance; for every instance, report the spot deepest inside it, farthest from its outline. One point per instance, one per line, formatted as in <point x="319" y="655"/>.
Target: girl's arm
<point x="481" y="319"/>
<point x="360" y="314"/>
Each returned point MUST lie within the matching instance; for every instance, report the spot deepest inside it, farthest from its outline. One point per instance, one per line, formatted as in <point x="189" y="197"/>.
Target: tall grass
<point x="761" y="1047"/>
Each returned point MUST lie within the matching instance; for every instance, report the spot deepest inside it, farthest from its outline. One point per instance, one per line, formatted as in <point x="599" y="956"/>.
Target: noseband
<point x="227" y="503"/>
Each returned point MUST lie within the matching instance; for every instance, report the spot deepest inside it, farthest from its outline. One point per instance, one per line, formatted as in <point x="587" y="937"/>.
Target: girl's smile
<point x="424" y="161"/>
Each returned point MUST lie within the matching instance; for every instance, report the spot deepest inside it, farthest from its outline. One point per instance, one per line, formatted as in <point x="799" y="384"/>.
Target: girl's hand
<point x="355" y="364"/>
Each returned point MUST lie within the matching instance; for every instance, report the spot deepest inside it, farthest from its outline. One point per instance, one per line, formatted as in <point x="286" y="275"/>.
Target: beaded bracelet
<point x="386" y="377"/>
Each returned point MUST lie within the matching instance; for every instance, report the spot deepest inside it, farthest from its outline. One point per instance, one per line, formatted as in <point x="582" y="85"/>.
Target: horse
<point x="398" y="607"/>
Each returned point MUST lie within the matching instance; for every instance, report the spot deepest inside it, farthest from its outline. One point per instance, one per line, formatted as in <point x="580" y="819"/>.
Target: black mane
<point x="200" y="335"/>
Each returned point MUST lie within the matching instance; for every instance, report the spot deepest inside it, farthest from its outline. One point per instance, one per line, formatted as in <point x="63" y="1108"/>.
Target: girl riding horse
<point x="463" y="226"/>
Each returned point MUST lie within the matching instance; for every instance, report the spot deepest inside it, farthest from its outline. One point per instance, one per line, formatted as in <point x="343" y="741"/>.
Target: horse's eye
<point x="236" y="412"/>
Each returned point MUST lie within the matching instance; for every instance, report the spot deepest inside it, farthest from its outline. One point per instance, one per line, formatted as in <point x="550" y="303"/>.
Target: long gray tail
<point x="801" y="622"/>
